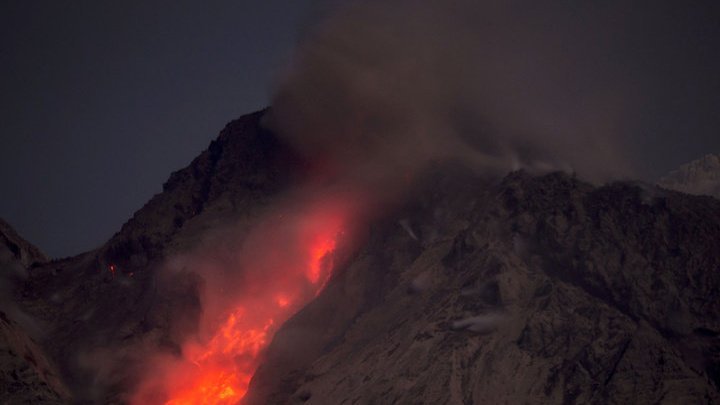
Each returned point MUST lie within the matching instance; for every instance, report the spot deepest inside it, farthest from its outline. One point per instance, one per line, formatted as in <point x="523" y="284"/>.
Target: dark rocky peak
<point x="114" y="297"/>
<point x="16" y="248"/>
<point x="245" y="163"/>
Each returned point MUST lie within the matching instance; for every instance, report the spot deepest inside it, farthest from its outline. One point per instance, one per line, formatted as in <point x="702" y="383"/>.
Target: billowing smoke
<point x="381" y="88"/>
<point x="251" y="278"/>
<point x="377" y="92"/>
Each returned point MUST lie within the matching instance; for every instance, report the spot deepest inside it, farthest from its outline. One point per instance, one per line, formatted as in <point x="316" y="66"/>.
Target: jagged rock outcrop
<point x="534" y="290"/>
<point x="700" y="177"/>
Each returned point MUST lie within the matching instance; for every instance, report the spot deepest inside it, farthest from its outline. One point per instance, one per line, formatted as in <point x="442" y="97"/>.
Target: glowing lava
<point x="320" y="249"/>
<point x="224" y="367"/>
<point x="286" y="263"/>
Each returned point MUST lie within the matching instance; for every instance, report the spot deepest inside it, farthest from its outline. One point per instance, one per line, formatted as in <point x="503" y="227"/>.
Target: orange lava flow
<point x="319" y="250"/>
<point x="289" y="262"/>
<point x="224" y="367"/>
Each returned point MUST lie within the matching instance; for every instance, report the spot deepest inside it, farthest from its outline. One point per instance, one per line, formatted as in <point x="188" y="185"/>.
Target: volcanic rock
<point x="543" y="290"/>
<point x="699" y="177"/>
<point x="27" y="376"/>
<point x="20" y="250"/>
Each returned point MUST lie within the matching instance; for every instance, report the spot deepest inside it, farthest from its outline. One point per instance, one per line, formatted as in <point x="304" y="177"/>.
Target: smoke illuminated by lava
<point x="284" y="262"/>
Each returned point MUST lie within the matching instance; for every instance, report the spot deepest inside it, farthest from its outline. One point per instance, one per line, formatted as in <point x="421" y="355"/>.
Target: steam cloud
<point x="381" y="88"/>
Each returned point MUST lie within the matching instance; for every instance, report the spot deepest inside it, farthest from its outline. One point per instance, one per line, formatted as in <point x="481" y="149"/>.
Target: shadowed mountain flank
<point x="531" y="290"/>
<point x="27" y="375"/>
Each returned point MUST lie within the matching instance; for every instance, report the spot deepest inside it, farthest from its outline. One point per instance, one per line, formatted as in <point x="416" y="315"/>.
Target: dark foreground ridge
<point x="520" y="290"/>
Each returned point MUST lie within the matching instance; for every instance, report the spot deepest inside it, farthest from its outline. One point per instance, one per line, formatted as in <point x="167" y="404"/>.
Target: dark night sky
<point x="100" y="101"/>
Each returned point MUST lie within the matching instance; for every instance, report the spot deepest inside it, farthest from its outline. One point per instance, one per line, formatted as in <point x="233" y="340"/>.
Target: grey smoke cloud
<point x="381" y="88"/>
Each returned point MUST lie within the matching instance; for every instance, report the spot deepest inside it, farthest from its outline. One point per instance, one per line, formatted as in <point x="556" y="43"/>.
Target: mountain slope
<point x="21" y="250"/>
<point x="26" y="374"/>
<point x="107" y="309"/>
<point x="700" y="177"/>
<point x="535" y="290"/>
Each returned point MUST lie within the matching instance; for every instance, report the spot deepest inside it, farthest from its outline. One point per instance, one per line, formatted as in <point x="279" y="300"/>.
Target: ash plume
<point x="382" y="88"/>
<point x="378" y="91"/>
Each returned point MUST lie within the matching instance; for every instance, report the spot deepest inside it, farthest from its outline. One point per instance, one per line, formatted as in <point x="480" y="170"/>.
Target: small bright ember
<point x="217" y="368"/>
<point x="282" y="301"/>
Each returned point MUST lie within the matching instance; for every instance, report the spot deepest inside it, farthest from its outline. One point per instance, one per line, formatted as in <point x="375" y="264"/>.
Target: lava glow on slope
<point x="286" y="262"/>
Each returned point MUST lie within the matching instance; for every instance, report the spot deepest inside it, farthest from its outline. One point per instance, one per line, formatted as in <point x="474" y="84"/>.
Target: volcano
<point x="234" y="284"/>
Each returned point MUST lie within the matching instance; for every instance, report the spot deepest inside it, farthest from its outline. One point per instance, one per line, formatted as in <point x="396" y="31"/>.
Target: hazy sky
<point x="100" y="101"/>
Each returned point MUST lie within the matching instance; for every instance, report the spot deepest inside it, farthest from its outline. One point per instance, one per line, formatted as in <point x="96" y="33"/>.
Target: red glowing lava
<point x="319" y="250"/>
<point x="286" y="263"/>
<point x="224" y="366"/>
